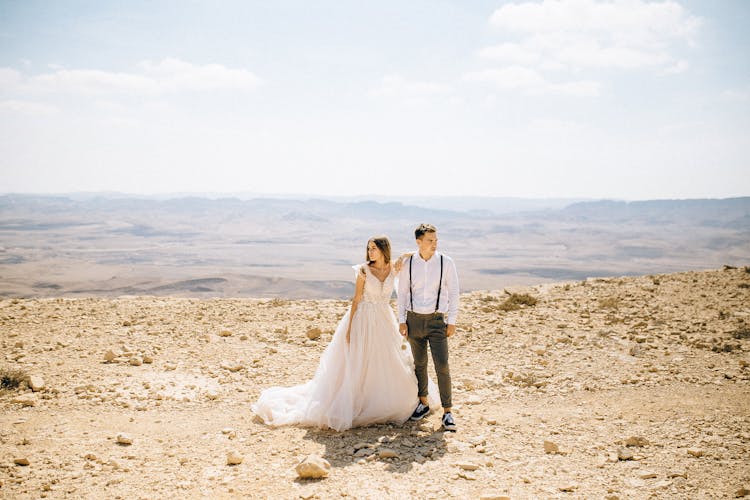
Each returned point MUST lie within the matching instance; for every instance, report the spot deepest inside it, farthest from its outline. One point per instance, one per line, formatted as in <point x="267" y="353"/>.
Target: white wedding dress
<point x="370" y="380"/>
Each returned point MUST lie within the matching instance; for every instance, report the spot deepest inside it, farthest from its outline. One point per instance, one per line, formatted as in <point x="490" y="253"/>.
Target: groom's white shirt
<point x="425" y="277"/>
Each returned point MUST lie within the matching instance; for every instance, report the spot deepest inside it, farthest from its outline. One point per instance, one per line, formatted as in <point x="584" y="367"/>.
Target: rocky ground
<point x="606" y="388"/>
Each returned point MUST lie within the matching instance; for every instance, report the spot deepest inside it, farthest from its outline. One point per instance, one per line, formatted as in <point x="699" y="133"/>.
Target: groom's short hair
<point x="423" y="229"/>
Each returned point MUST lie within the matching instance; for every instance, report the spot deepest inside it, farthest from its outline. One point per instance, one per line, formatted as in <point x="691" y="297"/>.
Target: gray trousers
<point x="430" y="329"/>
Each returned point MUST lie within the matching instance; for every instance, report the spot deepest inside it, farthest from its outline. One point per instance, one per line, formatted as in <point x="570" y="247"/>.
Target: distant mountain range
<point x="101" y="244"/>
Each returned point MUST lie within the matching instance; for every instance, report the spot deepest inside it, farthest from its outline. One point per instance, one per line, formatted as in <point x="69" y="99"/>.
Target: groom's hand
<point x="403" y="329"/>
<point x="450" y="330"/>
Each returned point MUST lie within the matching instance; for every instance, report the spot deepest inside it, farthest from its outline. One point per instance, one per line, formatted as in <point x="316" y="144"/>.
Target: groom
<point x="427" y="310"/>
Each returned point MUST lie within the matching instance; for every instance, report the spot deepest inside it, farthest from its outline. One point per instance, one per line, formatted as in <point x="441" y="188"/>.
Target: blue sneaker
<point x="420" y="411"/>
<point x="448" y="423"/>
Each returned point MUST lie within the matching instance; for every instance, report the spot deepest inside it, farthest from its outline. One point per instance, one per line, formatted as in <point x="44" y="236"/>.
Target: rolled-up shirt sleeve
<point x="453" y="292"/>
<point x="402" y="292"/>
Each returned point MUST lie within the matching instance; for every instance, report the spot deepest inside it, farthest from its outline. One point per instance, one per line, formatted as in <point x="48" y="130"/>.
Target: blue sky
<point x="624" y="99"/>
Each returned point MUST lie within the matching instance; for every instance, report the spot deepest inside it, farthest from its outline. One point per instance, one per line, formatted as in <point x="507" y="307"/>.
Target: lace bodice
<point x="375" y="290"/>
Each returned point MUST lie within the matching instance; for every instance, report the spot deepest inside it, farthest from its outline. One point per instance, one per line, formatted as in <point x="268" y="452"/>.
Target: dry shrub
<point x="516" y="300"/>
<point x="11" y="379"/>
<point x="609" y="303"/>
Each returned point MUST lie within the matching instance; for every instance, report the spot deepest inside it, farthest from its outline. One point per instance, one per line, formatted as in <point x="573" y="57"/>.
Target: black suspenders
<point x="440" y="284"/>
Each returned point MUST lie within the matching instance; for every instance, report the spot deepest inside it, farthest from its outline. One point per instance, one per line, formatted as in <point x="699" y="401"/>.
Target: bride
<point x="366" y="374"/>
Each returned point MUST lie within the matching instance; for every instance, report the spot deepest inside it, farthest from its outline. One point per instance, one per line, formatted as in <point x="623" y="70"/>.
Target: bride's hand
<point x="400" y="261"/>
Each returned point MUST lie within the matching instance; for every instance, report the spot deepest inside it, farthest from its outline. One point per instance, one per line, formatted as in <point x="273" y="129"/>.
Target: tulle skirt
<point x="370" y="380"/>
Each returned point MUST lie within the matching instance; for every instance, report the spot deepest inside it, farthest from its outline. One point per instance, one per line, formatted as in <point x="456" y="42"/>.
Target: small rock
<point x="232" y="367"/>
<point x="148" y="360"/>
<point x="234" y="458"/>
<point x="474" y="400"/>
<point x="467" y="466"/>
<point x="647" y="474"/>
<point x="636" y="441"/>
<point x="624" y="454"/>
<point x="467" y="476"/>
<point x="109" y="356"/>
<point x="136" y="361"/>
<point x="364" y="452"/>
<point x="91" y="456"/>
<point x="742" y="492"/>
<point x="387" y="453"/>
<point x="124" y="439"/>
<point x="314" y="333"/>
<point x="24" y="400"/>
<point x="21" y="461"/>
<point x="493" y="496"/>
<point x="568" y="487"/>
<point x="682" y="474"/>
<point x="313" y="467"/>
<point x="551" y="448"/>
<point x="359" y="446"/>
<point x="225" y="333"/>
<point x="696" y="452"/>
<point x="36" y="383"/>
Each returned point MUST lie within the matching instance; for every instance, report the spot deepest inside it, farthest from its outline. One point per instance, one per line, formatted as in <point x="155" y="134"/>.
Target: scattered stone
<point x="696" y="452"/>
<point x="470" y="466"/>
<point x="36" y="383"/>
<point x="124" y="439"/>
<point x="136" y="361"/>
<point x="742" y="492"/>
<point x="234" y="458"/>
<point x="467" y="476"/>
<point x="91" y="456"/>
<point x="624" y="454"/>
<point x="21" y="461"/>
<point x="647" y="475"/>
<point x="109" y="356"/>
<point x="225" y="333"/>
<point x="674" y="474"/>
<point x="636" y="441"/>
<point x="551" y="448"/>
<point x="569" y="487"/>
<point x="24" y="401"/>
<point x="387" y="453"/>
<point x="314" y="333"/>
<point x="474" y="400"/>
<point x="232" y="367"/>
<point x="148" y="360"/>
<point x="359" y="446"/>
<point x="493" y="496"/>
<point x="313" y="467"/>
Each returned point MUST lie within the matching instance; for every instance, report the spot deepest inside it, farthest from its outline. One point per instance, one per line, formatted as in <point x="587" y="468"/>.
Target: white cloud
<point x="737" y="95"/>
<point x="532" y="82"/>
<point x="164" y="77"/>
<point x="9" y="78"/>
<point x="511" y="77"/>
<point x="26" y="107"/>
<point x="625" y="34"/>
<point x="397" y="86"/>
<point x="510" y="53"/>
<point x="677" y="68"/>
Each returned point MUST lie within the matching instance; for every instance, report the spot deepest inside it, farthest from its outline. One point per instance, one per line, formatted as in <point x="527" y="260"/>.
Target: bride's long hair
<point x="383" y="244"/>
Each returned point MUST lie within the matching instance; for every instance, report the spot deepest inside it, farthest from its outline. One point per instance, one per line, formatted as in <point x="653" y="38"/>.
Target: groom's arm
<point x="453" y="297"/>
<point x="402" y="293"/>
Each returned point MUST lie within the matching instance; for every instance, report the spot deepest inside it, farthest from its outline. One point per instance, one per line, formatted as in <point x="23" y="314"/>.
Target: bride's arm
<point x="398" y="263"/>
<point x="359" y="290"/>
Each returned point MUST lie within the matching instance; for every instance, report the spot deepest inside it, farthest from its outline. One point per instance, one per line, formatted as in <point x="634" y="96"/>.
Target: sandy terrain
<point x="640" y="386"/>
